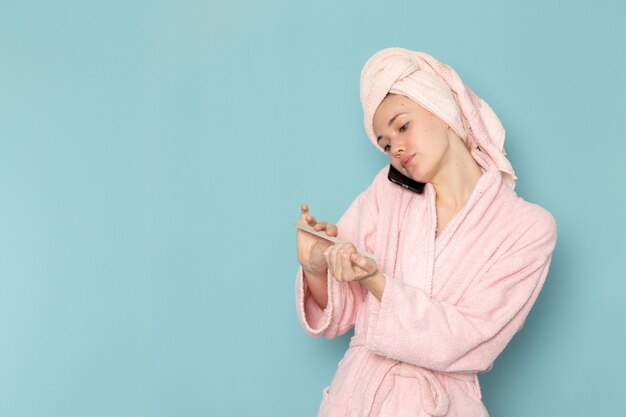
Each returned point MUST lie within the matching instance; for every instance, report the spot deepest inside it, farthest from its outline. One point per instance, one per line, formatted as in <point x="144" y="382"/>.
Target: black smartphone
<point x="397" y="177"/>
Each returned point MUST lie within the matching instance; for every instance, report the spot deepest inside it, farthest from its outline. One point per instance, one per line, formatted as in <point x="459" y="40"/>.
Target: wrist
<point x="315" y="272"/>
<point x="375" y="284"/>
<point x="376" y="276"/>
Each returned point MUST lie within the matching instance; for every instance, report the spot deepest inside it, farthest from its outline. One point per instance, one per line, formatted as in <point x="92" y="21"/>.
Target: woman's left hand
<point x="346" y="264"/>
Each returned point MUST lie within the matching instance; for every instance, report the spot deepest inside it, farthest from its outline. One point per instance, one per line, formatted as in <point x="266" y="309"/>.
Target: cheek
<point x="435" y="143"/>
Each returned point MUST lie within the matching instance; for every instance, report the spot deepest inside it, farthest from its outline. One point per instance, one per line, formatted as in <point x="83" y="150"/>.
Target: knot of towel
<point x="439" y="89"/>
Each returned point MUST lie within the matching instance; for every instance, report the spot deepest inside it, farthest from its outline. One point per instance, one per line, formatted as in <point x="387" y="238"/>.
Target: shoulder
<point x="531" y="225"/>
<point x="540" y="218"/>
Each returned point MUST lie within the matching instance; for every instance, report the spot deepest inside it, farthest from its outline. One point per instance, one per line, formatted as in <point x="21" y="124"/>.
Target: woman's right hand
<point x="310" y="247"/>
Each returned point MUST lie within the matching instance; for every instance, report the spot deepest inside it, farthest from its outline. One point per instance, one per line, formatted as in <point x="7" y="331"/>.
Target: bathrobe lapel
<point x="421" y="251"/>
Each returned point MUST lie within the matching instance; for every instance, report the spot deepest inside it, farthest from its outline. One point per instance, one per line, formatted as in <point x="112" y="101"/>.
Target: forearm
<point x="317" y="283"/>
<point x="375" y="284"/>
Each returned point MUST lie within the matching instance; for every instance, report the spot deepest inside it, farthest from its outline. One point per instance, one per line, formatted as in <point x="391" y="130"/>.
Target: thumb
<point x="304" y="211"/>
<point x="365" y="263"/>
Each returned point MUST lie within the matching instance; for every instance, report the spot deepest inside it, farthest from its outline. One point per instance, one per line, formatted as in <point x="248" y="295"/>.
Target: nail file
<point x="304" y="226"/>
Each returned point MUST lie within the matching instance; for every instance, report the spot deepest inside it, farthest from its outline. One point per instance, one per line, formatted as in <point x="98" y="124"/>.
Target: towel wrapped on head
<point x="439" y="89"/>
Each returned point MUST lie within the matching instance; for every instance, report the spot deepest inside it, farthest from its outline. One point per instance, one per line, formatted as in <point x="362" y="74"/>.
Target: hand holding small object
<point x="346" y="264"/>
<point x="311" y="244"/>
<point x="319" y="251"/>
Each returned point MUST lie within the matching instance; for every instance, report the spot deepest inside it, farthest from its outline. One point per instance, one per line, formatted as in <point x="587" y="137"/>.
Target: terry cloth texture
<point x="439" y="89"/>
<point x="451" y="302"/>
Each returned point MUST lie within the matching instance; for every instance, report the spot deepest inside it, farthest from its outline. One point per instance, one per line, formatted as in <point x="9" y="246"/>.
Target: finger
<point x="331" y="230"/>
<point x="327" y="255"/>
<point x="368" y="265"/>
<point x="333" y="264"/>
<point x="337" y="258"/>
<point x="320" y="226"/>
<point x="345" y="255"/>
<point x="304" y="211"/>
<point x="310" y="220"/>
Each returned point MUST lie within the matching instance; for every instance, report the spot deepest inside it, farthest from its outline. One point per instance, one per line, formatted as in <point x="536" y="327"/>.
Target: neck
<point x="455" y="185"/>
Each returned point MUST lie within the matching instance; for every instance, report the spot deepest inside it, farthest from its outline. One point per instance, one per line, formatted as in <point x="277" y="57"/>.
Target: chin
<point x="413" y="174"/>
<point x="419" y="173"/>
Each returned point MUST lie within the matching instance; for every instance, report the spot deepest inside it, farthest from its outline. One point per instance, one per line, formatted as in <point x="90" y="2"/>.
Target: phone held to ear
<point x="397" y="177"/>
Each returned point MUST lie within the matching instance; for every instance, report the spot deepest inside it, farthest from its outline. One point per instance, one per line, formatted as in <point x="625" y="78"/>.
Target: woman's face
<point x="415" y="140"/>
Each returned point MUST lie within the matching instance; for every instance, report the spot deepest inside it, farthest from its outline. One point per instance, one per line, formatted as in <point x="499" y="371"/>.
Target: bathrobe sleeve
<point x="345" y="300"/>
<point x="412" y="327"/>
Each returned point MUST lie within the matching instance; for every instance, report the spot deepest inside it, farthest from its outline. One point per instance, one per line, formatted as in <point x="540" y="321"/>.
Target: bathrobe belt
<point x="434" y="396"/>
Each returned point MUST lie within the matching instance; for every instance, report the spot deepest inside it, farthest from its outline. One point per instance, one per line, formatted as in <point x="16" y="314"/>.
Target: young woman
<point x="458" y="265"/>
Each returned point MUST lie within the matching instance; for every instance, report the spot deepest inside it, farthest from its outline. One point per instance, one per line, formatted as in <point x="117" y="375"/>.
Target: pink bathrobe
<point x="451" y="303"/>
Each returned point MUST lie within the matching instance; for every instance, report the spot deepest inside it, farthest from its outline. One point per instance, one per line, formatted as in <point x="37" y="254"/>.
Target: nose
<point x="397" y="147"/>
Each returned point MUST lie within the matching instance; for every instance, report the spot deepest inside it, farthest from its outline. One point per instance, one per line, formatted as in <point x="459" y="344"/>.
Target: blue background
<point x="153" y="156"/>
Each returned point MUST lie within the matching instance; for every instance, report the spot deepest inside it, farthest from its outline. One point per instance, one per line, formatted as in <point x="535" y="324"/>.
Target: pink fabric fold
<point x="451" y="302"/>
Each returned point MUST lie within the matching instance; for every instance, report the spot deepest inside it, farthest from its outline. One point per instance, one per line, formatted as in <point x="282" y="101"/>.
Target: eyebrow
<point x="390" y="122"/>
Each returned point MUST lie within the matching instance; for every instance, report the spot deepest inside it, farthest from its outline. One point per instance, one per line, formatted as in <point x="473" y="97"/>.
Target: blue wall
<point x="153" y="155"/>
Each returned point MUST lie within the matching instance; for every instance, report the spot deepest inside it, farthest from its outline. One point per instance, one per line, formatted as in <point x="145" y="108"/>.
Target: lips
<point x="404" y="161"/>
